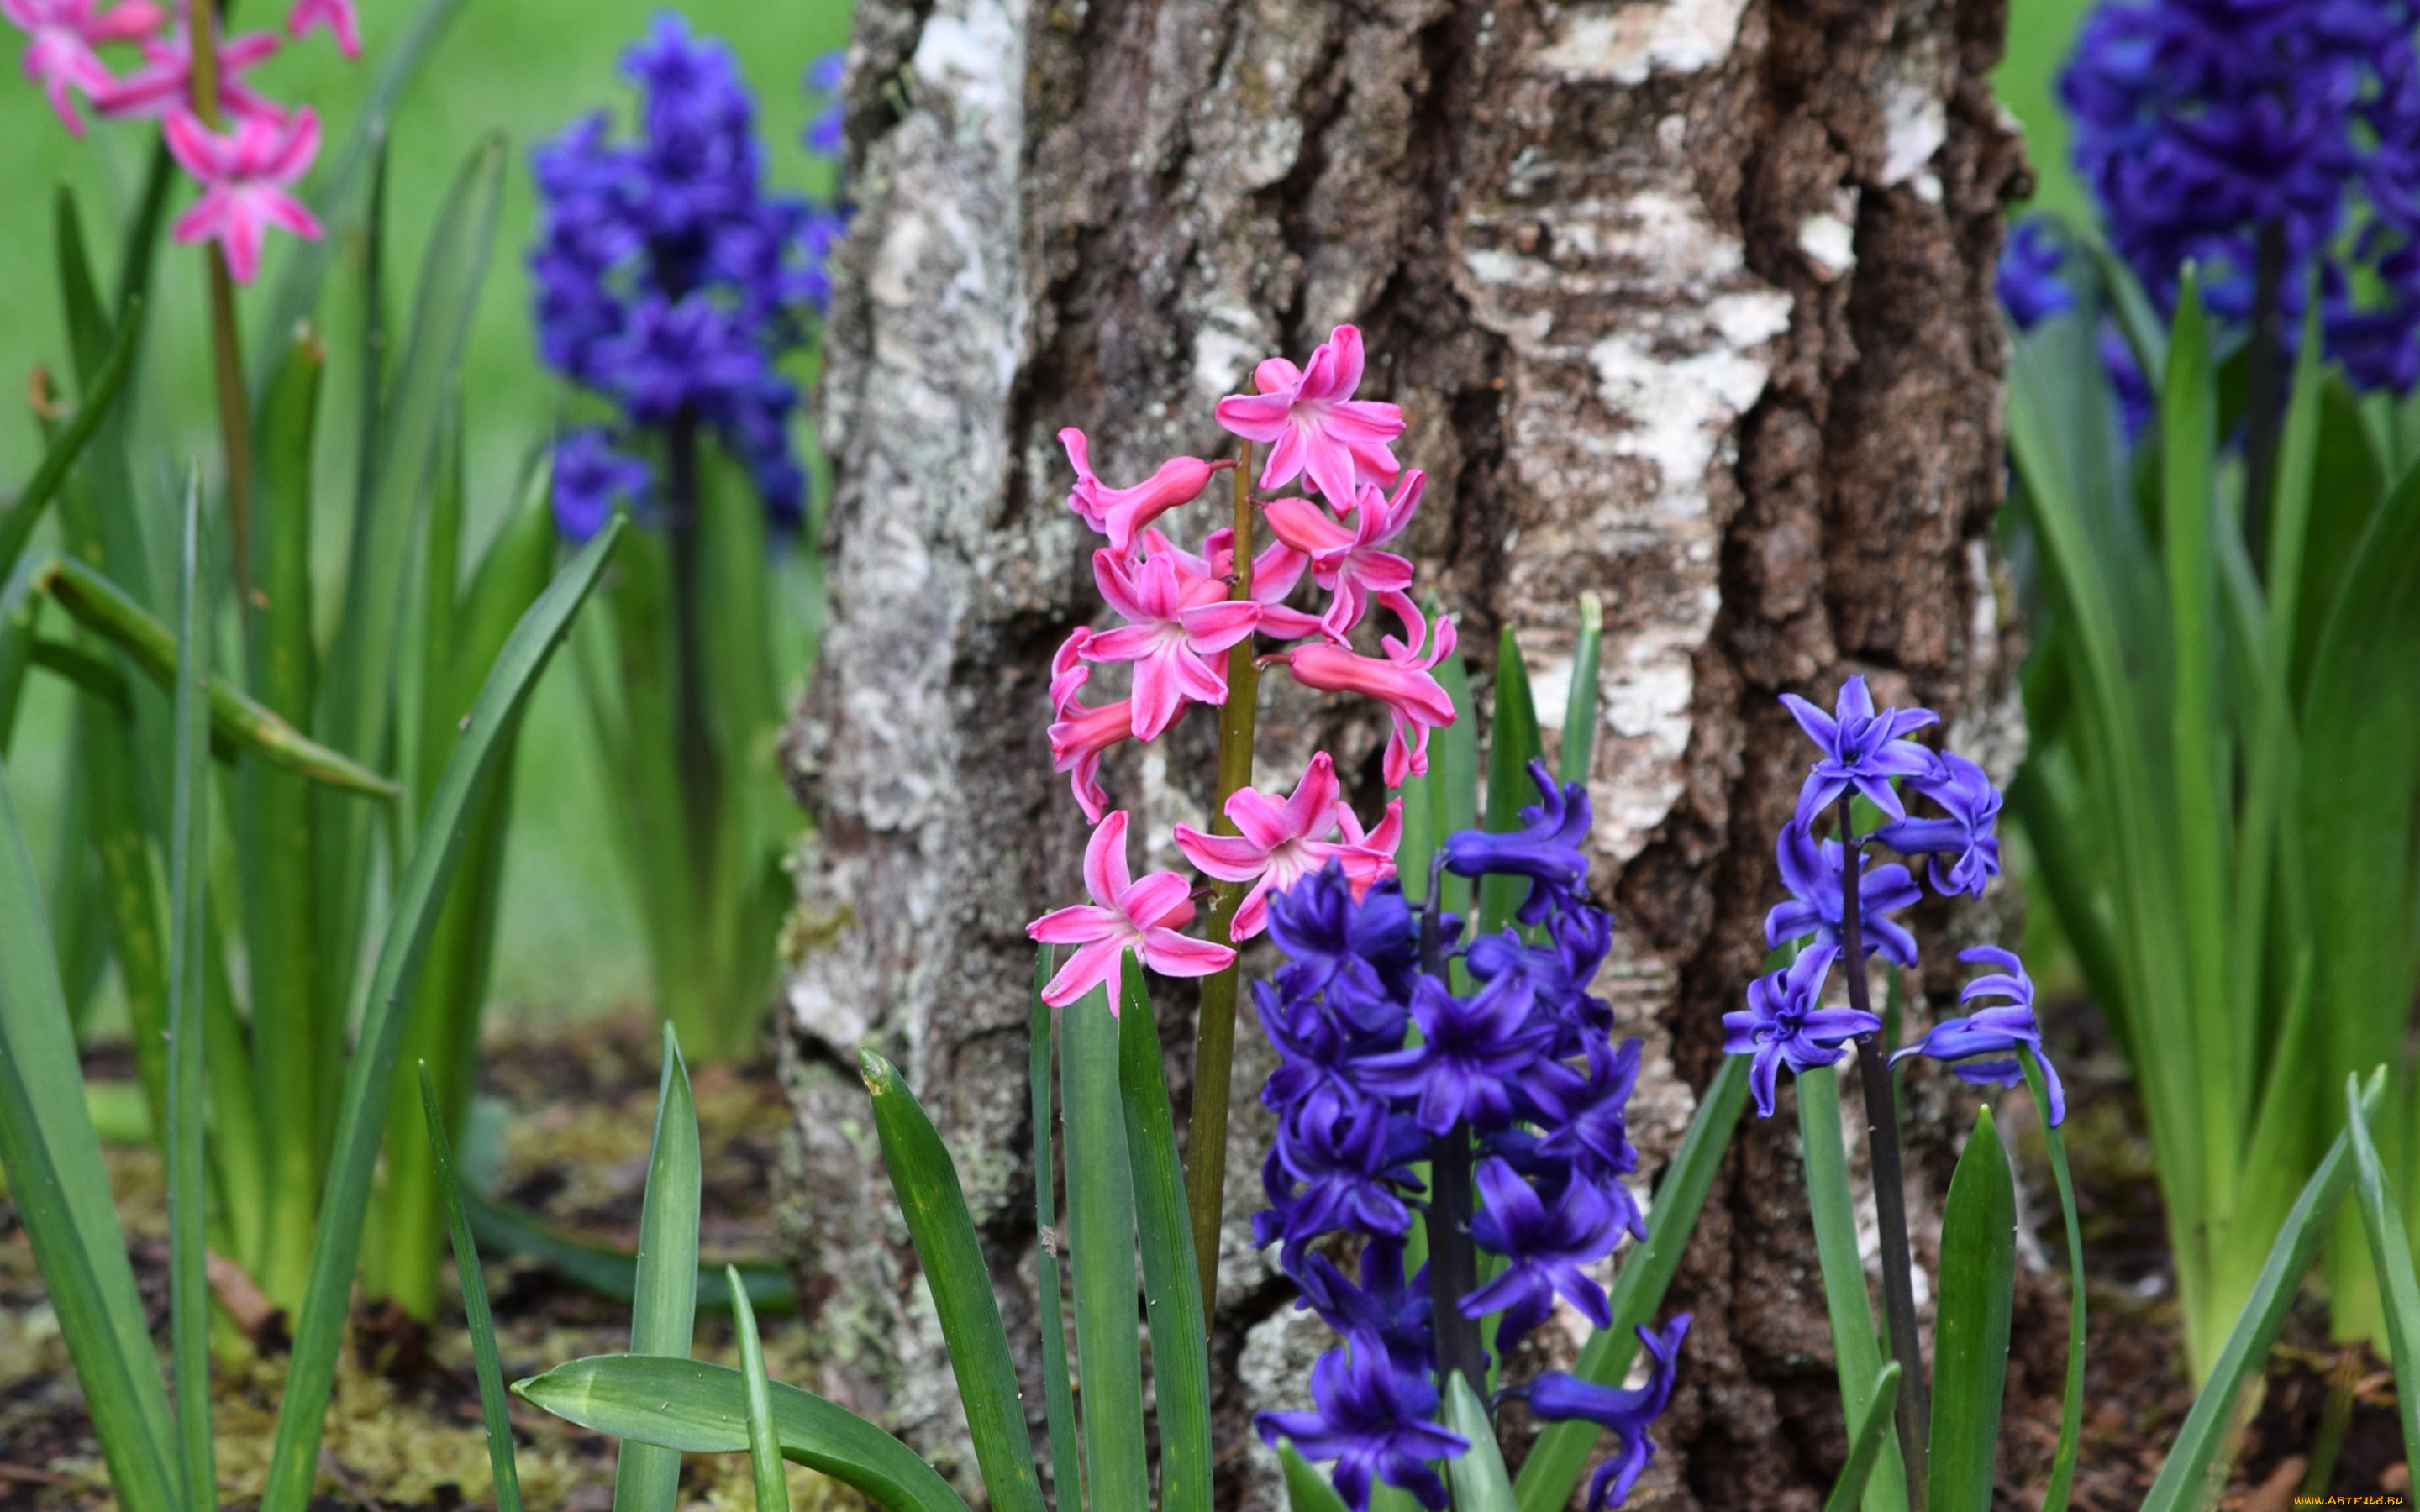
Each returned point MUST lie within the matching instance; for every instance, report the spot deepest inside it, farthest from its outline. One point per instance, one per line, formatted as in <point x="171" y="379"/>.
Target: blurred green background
<point x="525" y="67"/>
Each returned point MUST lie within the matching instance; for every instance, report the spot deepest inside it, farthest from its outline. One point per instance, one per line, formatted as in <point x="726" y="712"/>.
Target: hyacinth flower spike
<point x="1470" y="1050"/>
<point x="1786" y="1024"/>
<point x="1972" y="804"/>
<point x="1862" y="749"/>
<point x="336" y="15"/>
<point x="590" y="478"/>
<point x="1997" y="1031"/>
<point x="244" y="178"/>
<point x="1121" y="514"/>
<point x="1558" y="1397"/>
<point x="1124" y="915"/>
<point x="1374" y="1420"/>
<point x="1278" y="844"/>
<point x="1401" y="680"/>
<point x="1274" y="571"/>
<point x="1345" y="560"/>
<point x="1176" y="624"/>
<point x="62" y="36"/>
<point x="1812" y="872"/>
<point x="163" y="86"/>
<point x="1314" y="426"/>
<point x="1549" y="1239"/>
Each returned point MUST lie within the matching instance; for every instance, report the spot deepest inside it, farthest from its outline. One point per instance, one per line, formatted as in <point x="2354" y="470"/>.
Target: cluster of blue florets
<point x="1527" y="1063"/>
<point x="2199" y="122"/>
<point x="671" y="282"/>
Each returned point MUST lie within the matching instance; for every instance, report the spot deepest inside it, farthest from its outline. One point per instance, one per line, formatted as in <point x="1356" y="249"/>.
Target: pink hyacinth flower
<point x="1177" y="622"/>
<point x="1275" y="571"/>
<point x="1312" y="425"/>
<point x="1369" y="859"/>
<point x="1345" y="560"/>
<point x="1080" y="734"/>
<point x="164" y="84"/>
<point x="1124" y="915"/>
<point x="1121" y="514"/>
<point x="336" y="15"/>
<point x="1278" y="844"/>
<point x="61" y="36"/>
<point x="1401" y="680"/>
<point x="243" y="179"/>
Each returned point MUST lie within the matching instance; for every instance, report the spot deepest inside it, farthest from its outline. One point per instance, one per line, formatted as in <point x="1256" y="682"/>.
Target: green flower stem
<point x="1213" y="1043"/>
<point x="226" y="346"/>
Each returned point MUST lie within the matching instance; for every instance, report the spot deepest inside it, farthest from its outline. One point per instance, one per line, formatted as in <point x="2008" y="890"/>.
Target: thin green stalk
<point x="1101" y="1232"/>
<point x="1214" y="1044"/>
<point x="764" y="1439"/>
<point x="189" y="1306"/>
<point x="1059" y="1399"/>
<point x="502" y="1461"/>
<point x="2070" y="1412"/>
<point x="226" y="350"/>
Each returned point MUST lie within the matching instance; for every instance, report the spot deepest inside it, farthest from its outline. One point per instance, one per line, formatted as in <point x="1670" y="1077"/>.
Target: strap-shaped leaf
<point x="502" y="1459"/>
<point x="611" y="1272"/>
<point x="663" y="1315"/>
<point x="764" y="1438"/>
<point x="1058" y="1396"/>
<point x="1579" y="706"/>
<point x="362" y="1115"/>
<point x="1970" y="1348"/>
<point x="1307" y="1489"/>
<point x="1513" y="743"/>
<point x="1477" y="1478"/>
<point x="1180" y="1339"/>
<point x="696" y="1407"/>
<point x="925" y="1181"/>
<point x="17" y="520"/>
<point x="2390" y="1251"/>
<point x="2070" y="1414"/>
<point x="1857" y="1350"/>
<point x="1101" y="1232"/>
<point x="1867" y="1437"/>
<point x="189" y="1304"/>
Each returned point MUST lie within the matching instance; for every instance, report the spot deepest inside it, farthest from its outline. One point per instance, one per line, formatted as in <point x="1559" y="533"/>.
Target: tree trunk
<point x="1686" y="303"/>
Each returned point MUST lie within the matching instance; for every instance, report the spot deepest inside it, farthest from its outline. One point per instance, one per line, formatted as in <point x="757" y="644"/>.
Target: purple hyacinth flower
<point x="1811" y="871"/>
<point x="1547" y="849"/>
<point x="1470" y="1050"/>
<point x="1361" y="957"/>
<point x="1972" y="805"/>
<point x="2030" y="287"/>
<point x="1786" y="1024"/>
<point x="1376" y="1422"/>
<point x="1584" y="1119"/>
<point x="1862" y="749"/>
<point x="1548" y="1238"/>
<point x="824" y="75"/>
<point x="1998" y="1032"/>
<point x="1386" y="1306"/>
<point x="1350" y="1156"/>
<point x="589" y="476"/>
<point x="1557" y="1398"/>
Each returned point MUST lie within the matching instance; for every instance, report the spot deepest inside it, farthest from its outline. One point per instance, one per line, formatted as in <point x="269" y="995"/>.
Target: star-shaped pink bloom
<point x="61" y="36"/>
<point x="1345" y="560"/>
<point x="1124" y="915"/>
<point x="1121" y="514"/>
<point x="1312" y="425"/>
<point x="1401" y="680"/>
<point x="1080" y="734"/>
<point x="1177" y="621"/>
<point x="244" y="183"/>
<point x="336" y="15"/>
<point x="163" y="85"/>
<point x="1274" y="571"/>
<point x="1278" y="844"/>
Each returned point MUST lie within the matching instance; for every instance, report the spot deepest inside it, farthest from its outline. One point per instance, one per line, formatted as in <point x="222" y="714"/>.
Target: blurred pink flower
<point x="1121" y="512"/>
<point x="1345" y="559"/>
<point x="1177" y="621"/>
<point x="1278" y="844"/>
<point x="336" y="15"/>
<point x="163" y="85"/>
<point x="245" y="175"/>
<point x="1313" y="426"/>
<point x="61" y="36"/>
<point x="1401" y="680"/>
<point x="1124" y="915"/>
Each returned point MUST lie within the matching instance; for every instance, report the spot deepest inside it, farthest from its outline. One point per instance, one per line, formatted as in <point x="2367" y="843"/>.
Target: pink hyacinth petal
<point x="1126" y="642"/>
<point x="1288" y="451"/>
<point x="240" y="237"/>
<point x="1310" y="810"/>
<point x="1227" y="857"/>
<point x="336" y="15"/>
<point x="1072" y="925"/>
<point x="1273" y="375"/>
<point x="1307" y="528"/>
<point x="1260" y="819"/>
<point x="1216" y="626"/>
<point x="287" y="213"/>
<point x="1252" y="914"/>
<point x="1088" y="968"/>
<point x="1171" y="954"/>
<point x="1158" y="697"/>
<point x="1199" y="681"/>
<point x="1255" y="417"/>
<point x="125" y="22"/>
<point x="1161" y="900"/>
<point x="1104" y="861"/>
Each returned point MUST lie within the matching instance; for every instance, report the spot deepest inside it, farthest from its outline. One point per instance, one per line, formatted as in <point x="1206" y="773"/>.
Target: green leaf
<point x="1559" y="1457"/>
<point x="1101" y="1234"/>
<point x="1454" y="776"/>
<point x="1180" y="1339"/>
<point x="369" y="1077"/>
<point x="1831" y="1207"/>
<point x="1307" y="1489"/>
<point x="764" y="1439"/>
<point x="1970" y="1350"/>
<point x="925" y="1181"/>
<point x="108" y="611"/>
<point x="693" y="1408"/>
<point x="1059" y="1398"/>
<point x="1512" y="745"/>
<point x="2071" y="1415"/>
<point x="1867" y="1437"/>
<point x="492" y="1402"/>
<point x="2188" y="1477"/>
<point x="663" y="1317"/>
<point x="2389" y="1250"/>
<point x="1477" y="1478"/>
<point x="189" y="1296"/>
<point x="17" y="520"/>
<point x="608" y="1272"/>
<point x="1579" y="708"/>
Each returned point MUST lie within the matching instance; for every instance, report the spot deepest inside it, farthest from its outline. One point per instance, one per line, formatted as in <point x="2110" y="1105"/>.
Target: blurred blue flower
<point x="2031" y="286"/>
<point x="1997" y="1031"/>
<point x="590" y="477"/>
<point x="1786" y="1024"/>
<point x="1557" y="1398"/>
<point x="824" y="75"/>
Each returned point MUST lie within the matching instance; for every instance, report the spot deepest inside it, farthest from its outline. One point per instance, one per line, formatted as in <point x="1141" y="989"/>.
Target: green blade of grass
<point x="1513" y="743"/>
<point x="1559" y="1457"/>
<point x="1307" y="1489"/>
<point x="362" y="1115"/>
<point x="1059" y="1398"/>
<point x="764" y="1439"/>
<point x="1970" y="1350"/>
<point x="925" y="1181"/>
<point x="1857" y="1348"/>
<point x="493" y="1404"/>
<point x="1453" y="777"/>
<point x="1867" y="1437"/>
<point x="689" y="1407"/>
<point x="1101" y="1233"/>
<point x="2185" y="1478"/>
<point x="189" y="1295"/>
<point x="1180" y="1339"/>
<point x="18" y="522"/>
<point x="1477" y="1478"/>
<point x="1579" y="707"/>
<point x="2070" y="1412"/>
<point x="663" y="1317"/>
<point x="2389" y="1250"/>
<point x="611" y="1272"/>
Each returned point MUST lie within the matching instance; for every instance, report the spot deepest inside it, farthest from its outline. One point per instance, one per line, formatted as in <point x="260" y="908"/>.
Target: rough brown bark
<point x="1687" y="303"/>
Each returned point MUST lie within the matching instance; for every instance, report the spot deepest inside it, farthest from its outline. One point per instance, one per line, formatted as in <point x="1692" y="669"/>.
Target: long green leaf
<point x="611" y="1272"/>
<point x="2070" y="1412"/>
<point x="925" y="1181"/>
<point x="189" y="1304"/>
<point x="1831" y="1207"/>
<point x="2186" y="1478"/>
<point x="1970" y="1350"/>
<point x="1101" y="1232"/>
<point x="764" y="1438"/>
<point x="1867" y="1437"/>
<point x="691" y="1407"/>
<point x="1559" y="1457"/>
<point x="362" y="1115"/>
<point x="493" y="1405"/>
<point x="663" y="1317"/>
<point x="1513" y="743"/>
<point x="1179" y="1338"/>
<point x="108" y="611"/>
<point x="1453" y="778"/>
<point x="1057" y="1396"/>
<point x="1477" y="1478"/>
<point x="2389" y="1250"/>
<point x="1579" y="707"/>
<point x="1307" y="1489"/>
<point x="18" y="522"/>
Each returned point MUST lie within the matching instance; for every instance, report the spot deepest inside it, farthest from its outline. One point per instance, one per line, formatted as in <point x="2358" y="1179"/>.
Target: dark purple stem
<point x="1454" y="1258"/>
